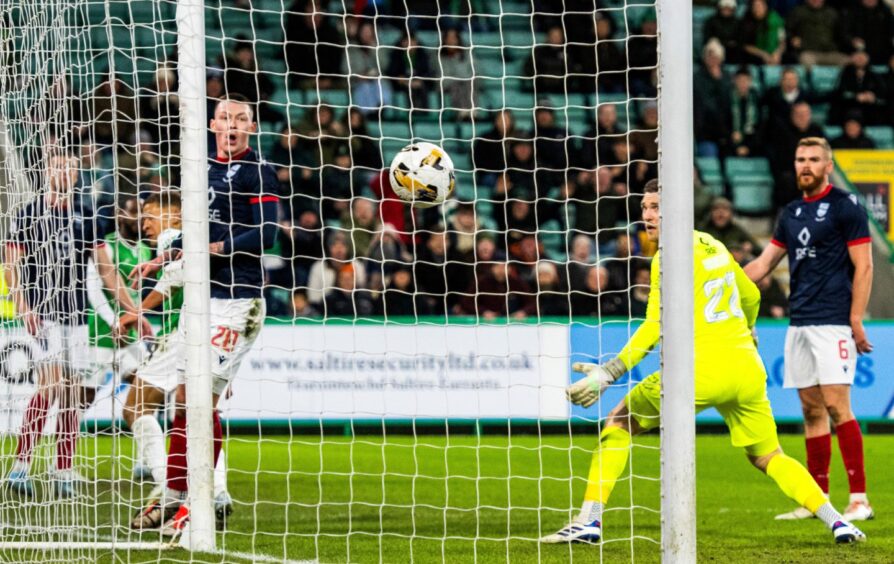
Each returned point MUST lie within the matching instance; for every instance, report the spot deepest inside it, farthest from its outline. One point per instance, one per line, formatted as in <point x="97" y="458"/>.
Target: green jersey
<point x="170" y="309"/>
<point x="125" y="256"/>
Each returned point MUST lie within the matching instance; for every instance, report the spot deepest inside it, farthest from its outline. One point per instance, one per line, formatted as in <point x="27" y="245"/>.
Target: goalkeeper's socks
<point x="150" y="439"/>
<point x="828" y="515"/>
<point x="609" y="461"/>
<point x="590" y="511"/>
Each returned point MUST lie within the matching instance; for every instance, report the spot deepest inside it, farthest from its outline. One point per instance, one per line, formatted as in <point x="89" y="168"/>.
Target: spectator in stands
<point x="322" y="275"/>
<point x="524" y="256"/>
<point x="642" y="56"/>
<point x="113" y="114"/>
<point x="314" y="46"/>
<point x="853" y="136"/>
<point x="301" y="244"/>
<point x="746" y="115"/>
<point x="596" y="146"/>
<point x="548" y="64"/>
<point x="463" y="229"/>
<point x="301" y="308"/>
<point x="644" y="138"/>
<point x="868" y="26"/>
<point x="527" y="181"/>
<point x="623" y="263"/>
<point x="774" y="303"/>
<point x="242" y="75"/>
<point x="579" y="260"/>
<point x="365" y="152"/>
<point x="160" y="114"/>
<point x="550" y="143"/>
<point x="778" y="100"/>
<point x="348" y="299"/>
<point x="813" y="33"/>
<point x="721" y="225"/>
<point x="763" y="35"/>
<point x="363" y="66"/>
<point x="386" y="252"/>
<point x="782" y="146"/>
<point x="859" y="91"/>
<point x="497" y="292"/>
<point x="491" y="150"/>
<point x="611" y="59"/>
<point x="724" y="27"/>
<point x="639" y="293"/>
<point x="596" y="298"/>
<point x="596" y="210"/>
<point x="286" y="156"/>
<point x="430" y="268"/>
<point x="552" y="294"/>
<point x="456" y="73"/>
<point x="711" y="87"/>
<point x="400" y="297"/>
<point x="337" y="183"/>
<point x="517" y="216"/>
<point x="319" y="135"/>
<point x="410" y="70"/>
<point x="362" y="221"/>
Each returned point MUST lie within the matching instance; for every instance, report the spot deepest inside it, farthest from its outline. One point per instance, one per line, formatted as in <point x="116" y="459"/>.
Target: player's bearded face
<point x="651" y="215"/>
<point x="232" y="124"/>
<point x="812" y="167"/>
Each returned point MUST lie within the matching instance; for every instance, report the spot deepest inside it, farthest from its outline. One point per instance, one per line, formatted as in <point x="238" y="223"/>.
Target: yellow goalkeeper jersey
<point x="726" y="304"/>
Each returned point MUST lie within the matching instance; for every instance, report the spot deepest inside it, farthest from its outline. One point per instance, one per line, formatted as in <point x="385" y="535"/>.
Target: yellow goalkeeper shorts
<point x="736" y="385"/>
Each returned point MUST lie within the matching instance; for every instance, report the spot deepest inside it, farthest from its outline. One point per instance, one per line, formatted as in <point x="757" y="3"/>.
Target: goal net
<point x="404" y="399"/>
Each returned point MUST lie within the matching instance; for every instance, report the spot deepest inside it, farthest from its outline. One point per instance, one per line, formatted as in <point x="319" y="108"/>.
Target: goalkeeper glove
<point x="587" y="390"/>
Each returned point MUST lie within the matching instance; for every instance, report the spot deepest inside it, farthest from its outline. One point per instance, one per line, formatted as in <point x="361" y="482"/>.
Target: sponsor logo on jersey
<point x="797" y="212"/>
<point x="805" y="251"/>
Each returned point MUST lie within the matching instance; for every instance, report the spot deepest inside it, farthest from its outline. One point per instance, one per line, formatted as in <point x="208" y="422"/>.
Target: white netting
<point x="404" y="400"/>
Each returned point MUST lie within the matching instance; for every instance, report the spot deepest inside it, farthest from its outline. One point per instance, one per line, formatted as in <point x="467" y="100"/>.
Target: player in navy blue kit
<point x="51" y="244"/>
<point x="826" y="238"/>
<point x="243" y="206"/>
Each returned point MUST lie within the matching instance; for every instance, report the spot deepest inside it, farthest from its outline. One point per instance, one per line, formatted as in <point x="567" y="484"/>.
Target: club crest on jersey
<point x="797" y="212"/>
<point x="822" y="211"/>
<point x="232" y="171"/>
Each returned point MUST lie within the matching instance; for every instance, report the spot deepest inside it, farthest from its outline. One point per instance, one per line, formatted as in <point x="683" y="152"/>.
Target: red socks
<point x="177" y="451"/>
<point x="67" y="431"/>
<point x="32" y="426"/>
<point x="177" y="455"/>
<point x="850" y="442"/>
<point x="819" y="456"/>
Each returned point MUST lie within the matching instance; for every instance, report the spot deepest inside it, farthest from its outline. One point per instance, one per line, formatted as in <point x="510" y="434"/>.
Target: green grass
<point x="436" y="498"/>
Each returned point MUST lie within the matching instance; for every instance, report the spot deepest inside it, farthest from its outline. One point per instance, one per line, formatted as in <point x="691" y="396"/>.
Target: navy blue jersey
<point x="816" y="232"/>
<point x="55" y="245"/>
<point x="242" y="212"/>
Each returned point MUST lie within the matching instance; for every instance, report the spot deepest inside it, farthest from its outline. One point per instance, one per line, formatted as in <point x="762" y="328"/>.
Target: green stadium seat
<point x="711" y="173"/>
<point x="433" y="131"/>
<point x="832" y="131"/>
<point x="824" y="79"/>
<point x="753" y="195"/>
<point x="737" y="167"/>
<point x="882" y="135"/>
<point x="511" y="23"/>
<point x="399" y="130"/>
<point x="772" y="74"/>
<point x="337" y="98"/>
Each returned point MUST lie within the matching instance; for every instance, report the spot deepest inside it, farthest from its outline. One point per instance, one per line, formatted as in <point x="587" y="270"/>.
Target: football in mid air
<point x="422" y="174"/>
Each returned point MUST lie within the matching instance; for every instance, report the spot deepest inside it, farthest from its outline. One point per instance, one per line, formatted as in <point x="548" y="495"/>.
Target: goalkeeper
<point x="729" y="376"/>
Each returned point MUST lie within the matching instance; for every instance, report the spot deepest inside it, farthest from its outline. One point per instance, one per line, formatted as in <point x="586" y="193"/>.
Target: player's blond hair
<point x="817" y="142"/>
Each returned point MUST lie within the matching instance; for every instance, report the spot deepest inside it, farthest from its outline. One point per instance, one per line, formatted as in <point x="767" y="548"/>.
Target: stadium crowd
<point x="544" y="232"/>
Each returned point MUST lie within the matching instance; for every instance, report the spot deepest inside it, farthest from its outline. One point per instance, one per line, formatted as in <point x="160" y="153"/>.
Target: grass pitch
<point x="463" y="499"/>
